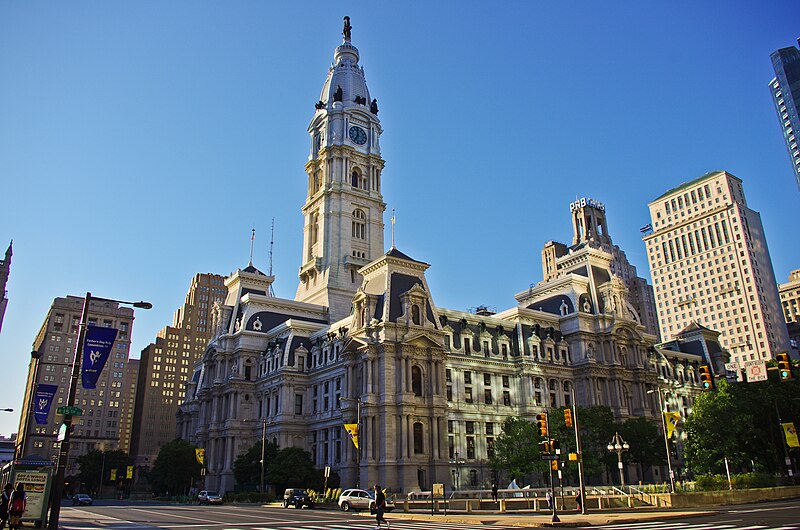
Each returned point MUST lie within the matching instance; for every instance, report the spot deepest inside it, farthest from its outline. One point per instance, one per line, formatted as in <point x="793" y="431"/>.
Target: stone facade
<point x="429" y="386"/>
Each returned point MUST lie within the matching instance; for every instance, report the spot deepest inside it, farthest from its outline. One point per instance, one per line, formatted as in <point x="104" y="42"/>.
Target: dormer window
<point x="415" y="314"/>
<point x="416" y="380"/>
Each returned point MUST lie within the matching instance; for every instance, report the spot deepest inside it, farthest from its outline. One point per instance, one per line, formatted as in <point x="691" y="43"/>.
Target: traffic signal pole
<point x="579" y="451"/>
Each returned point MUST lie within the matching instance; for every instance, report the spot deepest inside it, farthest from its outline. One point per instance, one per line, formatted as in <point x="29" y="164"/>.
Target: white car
<point x="355" y="499"/>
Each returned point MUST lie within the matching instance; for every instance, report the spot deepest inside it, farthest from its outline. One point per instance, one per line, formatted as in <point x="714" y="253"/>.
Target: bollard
<point x="502" y="506"/>
<point x="406" y="509"/>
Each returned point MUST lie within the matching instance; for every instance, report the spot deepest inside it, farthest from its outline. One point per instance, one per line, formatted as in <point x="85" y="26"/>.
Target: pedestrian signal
<point x="706" y="377"/>
<point x="784" y="366"/>
<point x="541" y="422"/>
<point x="568" y="417"/>
<point x="544" y="447"/>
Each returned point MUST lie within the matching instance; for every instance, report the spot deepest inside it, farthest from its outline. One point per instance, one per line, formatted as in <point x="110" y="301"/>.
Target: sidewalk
<point x="539" y="519"/>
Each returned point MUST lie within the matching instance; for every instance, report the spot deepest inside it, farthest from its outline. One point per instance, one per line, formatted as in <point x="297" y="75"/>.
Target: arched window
<point x="359" y="224"/>
<point x="419" y="447"/>
<point x="357" y="180"/>
<point x="314" y="222"/>
<point x="416" y="380"/>
<point x="354" y="178"/>
<point x="248" y="369"/>
<point x="415" y="314"/>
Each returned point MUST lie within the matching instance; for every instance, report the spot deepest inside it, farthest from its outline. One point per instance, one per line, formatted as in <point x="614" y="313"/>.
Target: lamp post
<point x="7" y="410"/>
<point x="457" y="462"/>
<point x="618" y="445"/>
<point x="264" y="424"/>
<point x="661" y="401"/>
<point x="358" y="433"/>
<point x="63" y="453"/>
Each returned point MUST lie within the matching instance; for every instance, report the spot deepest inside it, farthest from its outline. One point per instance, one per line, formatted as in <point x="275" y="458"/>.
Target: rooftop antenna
<point x="252" y="241"/>
<point x="393" y="221"/>
<point x="271" y="244"/>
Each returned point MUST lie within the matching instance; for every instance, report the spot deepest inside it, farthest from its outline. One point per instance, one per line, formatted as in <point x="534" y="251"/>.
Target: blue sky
<point x="141" y="141"/>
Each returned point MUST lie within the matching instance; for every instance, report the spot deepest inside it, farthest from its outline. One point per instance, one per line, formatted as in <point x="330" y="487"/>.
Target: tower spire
<point x="393" y="222"/>
<point x="252" y="241"/>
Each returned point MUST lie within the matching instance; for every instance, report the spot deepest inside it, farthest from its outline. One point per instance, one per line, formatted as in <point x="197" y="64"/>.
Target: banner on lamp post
<point x="42" y="401"/>
<point x="352" y="431"/>
<point x="790" y="433"/>
<point x="96" y="349"/>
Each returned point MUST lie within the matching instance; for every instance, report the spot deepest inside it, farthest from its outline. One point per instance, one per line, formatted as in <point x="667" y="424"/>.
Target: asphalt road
<point x="782" y="515"/>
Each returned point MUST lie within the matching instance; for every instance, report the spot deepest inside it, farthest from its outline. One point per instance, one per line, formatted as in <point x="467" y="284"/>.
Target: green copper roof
<point x="689" y="184"/>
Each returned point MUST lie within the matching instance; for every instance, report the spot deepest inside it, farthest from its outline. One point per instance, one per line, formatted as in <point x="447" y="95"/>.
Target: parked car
<point x="297" y="497"/>
<point x="81" y="499"/>
<point x="356" y="499"/>
<point x="209" y="497"/>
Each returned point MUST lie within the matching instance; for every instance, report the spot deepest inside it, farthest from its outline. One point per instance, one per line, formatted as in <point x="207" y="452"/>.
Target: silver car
<point x="356" y="499"/>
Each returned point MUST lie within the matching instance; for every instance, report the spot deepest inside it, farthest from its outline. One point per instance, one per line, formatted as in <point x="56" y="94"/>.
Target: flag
<point x="790" y="433"/>
<point x="96" y="349"/>
<point x="113" y="474"/>
<point x="129" y="474"/>
<point x="672" y="421"/>
<point x="352" y="431"/>
<point x="42" y="402"/>
<point x="646" y="228"/>
<point x="200" y="455"/>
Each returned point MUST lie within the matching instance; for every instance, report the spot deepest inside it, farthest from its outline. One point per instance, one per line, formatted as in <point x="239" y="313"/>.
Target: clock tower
<point x="343" y="211"/>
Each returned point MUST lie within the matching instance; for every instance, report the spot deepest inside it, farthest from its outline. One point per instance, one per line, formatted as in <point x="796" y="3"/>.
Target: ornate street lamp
<point x="619" y="446"/>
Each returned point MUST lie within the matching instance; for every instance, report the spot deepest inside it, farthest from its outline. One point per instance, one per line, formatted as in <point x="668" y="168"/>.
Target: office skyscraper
<point x="710" y="264"/>
<point x="785" y="89"/>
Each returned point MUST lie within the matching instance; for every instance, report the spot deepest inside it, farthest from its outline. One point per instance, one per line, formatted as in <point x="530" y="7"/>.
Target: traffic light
<point x="568" y="417"/>
<point x="541" y="422"/>
<point x="554" y="465"/>
<point x="784" y="366"/>
<point x="544" y="447"/>
<point x="706" y="377"/>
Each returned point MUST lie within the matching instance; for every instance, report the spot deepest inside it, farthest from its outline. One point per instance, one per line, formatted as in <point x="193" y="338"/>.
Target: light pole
<point x="263" y="448"/>
<point x="618" y="445"/>
<point x="102" y="471"/>
<point x="661" y="402"/>
<point x="457" y="462"/>
<point x="63" y="453"/>
<point x="358" y="433"/>
<point x="7" y="410"/>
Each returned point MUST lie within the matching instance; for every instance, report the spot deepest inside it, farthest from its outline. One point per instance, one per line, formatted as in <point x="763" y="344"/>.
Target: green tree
<point x="247" y="467"/>
<point x="93" y="463"/>
<point x="597" y="428"/>
<point x="647" y="443"/>
<point x="176" y="468"/>
<point x="515" y="450"/>
<point x="291" y="467"/>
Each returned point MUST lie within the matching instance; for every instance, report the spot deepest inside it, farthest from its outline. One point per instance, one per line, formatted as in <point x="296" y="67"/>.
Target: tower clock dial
<point x="358" y="135"/>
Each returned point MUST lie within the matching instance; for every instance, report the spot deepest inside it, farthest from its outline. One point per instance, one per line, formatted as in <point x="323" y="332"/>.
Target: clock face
<point x="358" y="135"/>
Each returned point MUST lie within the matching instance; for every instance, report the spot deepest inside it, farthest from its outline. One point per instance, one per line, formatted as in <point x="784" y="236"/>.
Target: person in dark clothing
<point x="579" y="501"/>
<point x="494" y="492"/>
<point x="380" y="507"/>
<point x="5" y="500"/>
<point x="17" y="506"/>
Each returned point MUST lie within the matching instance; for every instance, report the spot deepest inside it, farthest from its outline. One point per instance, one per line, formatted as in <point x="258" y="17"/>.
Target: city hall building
<point x="364" y="341"/>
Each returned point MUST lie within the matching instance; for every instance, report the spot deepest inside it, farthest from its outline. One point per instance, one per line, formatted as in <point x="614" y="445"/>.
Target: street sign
<point x="732" y="372"/>
<point x="756" y="371"/>
<point x="62" y="432"/>
<point x="549" y="457"/>
<point x="327" y="471"/>
<point x="72" y="411"/>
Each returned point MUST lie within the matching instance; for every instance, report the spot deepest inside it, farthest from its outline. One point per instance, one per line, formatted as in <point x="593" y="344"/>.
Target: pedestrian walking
<point x="5" y="501"/>
<point x="549" y="498"/>
<point x="494" y="492"/>
<point x="17" y="506"/>
<point x="380" y="507"/>
<point x="579" y="501"/>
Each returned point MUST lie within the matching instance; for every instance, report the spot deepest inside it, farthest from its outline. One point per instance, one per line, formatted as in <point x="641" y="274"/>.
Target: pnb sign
<point x="580" y="203"/>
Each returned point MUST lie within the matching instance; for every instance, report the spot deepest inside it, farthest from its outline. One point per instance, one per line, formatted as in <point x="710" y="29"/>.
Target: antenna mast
<point x="271" y="244"/>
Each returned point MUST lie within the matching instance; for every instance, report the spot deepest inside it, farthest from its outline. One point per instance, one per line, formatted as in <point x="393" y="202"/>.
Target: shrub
<point x="741" y="481"/>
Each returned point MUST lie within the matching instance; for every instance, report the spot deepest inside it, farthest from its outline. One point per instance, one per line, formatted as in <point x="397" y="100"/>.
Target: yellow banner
<point x="200" y="454"/>
<point x="352" y="431"/>
<point x="130" y="472"/>
<point x="790" y="433"/>
<point x="113" y="474"/>
<point x="672" y="421"/>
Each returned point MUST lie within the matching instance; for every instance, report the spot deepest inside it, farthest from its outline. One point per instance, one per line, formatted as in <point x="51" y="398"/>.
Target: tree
<point x="597" y="428"/>
<point x="176" y="468"/>
<point x="515" y="450"/>
<point x="291" y="467"/>
<point x="94" y="463"/>
<point x="647" y="444"/>
<point x="247" y="467"/>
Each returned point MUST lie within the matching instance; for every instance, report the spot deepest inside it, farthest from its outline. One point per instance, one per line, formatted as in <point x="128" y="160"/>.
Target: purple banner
<point x="42" y="401"/>
<point x="96" y="349"/>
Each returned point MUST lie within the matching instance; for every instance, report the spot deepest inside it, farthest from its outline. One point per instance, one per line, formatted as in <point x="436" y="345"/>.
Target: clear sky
<point x="141" y="141"/>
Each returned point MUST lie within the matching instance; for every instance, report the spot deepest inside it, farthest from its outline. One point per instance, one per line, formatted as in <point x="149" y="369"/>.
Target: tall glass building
<point x="785" y="88"/>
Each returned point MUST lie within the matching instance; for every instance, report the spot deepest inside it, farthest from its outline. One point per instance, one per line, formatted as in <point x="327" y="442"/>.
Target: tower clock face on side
<point x="358" y="135"/>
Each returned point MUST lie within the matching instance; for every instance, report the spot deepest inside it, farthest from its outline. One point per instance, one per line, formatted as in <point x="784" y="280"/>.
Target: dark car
<point x="81" y="499"/>
<point x="209" y="497"/>
<point x="297" y="497"/>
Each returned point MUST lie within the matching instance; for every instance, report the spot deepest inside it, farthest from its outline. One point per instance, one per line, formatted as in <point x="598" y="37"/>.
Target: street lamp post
<point x="358" y="433"/>
<point x="35" y="355"/>
<point x="63" y="453"/>
<point x="264" y="424"/>
<point x="661" y="401"/>
<point x="457" y="462"/>
<point x="618" y="445"/>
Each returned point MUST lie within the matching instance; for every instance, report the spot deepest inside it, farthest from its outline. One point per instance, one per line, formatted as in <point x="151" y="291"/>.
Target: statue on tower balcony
<point x="337" y="96"/>
<point x="347" y="28"/>
<point x="373" y="107"/>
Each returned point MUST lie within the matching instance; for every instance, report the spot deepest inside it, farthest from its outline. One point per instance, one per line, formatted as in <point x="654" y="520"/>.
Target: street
<point x="781" y="515"/>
